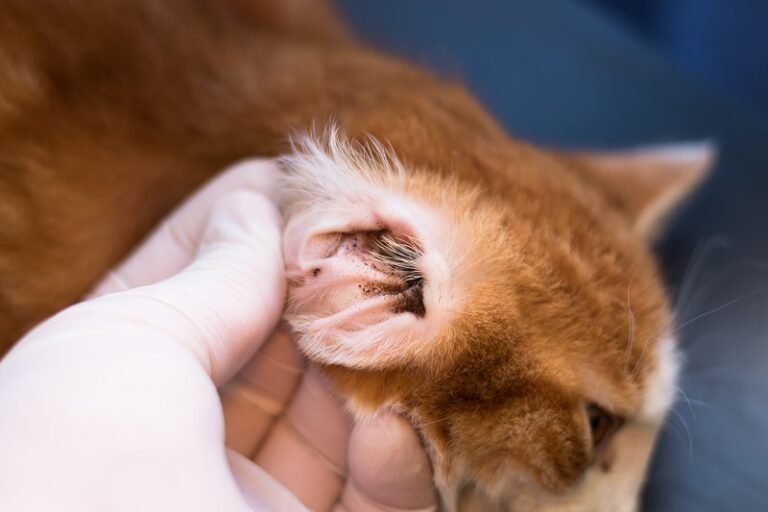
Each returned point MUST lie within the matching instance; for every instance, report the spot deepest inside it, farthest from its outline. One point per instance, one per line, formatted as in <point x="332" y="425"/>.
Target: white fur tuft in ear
<point x="321" y="166"/>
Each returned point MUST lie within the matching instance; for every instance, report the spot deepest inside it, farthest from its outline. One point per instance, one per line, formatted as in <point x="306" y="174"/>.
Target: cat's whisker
<point x="696" y="267"/>
<point x="702" y="404"/>
<point x="709" y="369"/>
<point x="630" y="325"/>
<point x="744" y="264"/>
<point x="641" y="358"/>
<point x="687" y="430"/>
<point x="751" y="264"/>
<point x="717" y="309"/>
<point x="670" y="427"/>
<point x="687" y="401"/>
<point x="631" y="336"/>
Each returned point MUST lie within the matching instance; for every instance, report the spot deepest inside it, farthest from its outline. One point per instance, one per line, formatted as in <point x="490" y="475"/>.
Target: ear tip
<point x="700" y="153"/>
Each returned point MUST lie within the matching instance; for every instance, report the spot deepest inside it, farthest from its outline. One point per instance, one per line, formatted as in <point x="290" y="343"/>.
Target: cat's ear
<point x="647" y="184"/>
<point x="364" y="261"/>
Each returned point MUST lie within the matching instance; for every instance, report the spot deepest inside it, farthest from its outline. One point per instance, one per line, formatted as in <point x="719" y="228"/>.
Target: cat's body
<point x="112" y="124"/>
<point x="548" y="312"/>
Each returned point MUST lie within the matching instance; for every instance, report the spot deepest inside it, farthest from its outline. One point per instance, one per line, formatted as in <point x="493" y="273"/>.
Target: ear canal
<point x="647" y="184"/>
<point x="356" y="300"/>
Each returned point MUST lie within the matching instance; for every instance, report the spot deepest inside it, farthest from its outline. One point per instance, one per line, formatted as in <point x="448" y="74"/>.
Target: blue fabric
<point x="559" y="73"/>
<point x="724" y="42"/>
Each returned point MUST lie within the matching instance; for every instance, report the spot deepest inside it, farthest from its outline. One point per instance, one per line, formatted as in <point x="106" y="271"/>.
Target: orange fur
<point x="112" y="111"/>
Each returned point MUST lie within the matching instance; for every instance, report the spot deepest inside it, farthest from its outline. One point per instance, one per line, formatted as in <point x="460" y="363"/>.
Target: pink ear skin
<point x="353" y="302"/>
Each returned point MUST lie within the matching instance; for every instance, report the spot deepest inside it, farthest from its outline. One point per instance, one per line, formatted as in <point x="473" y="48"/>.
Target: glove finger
<point x="306" y="450"/>
<point x="225" y="304"/>
<point x="388" y="468"/>
<point x="259" y="489"/>
<point x="173" y="245"/>
<point x="259" y="394"/>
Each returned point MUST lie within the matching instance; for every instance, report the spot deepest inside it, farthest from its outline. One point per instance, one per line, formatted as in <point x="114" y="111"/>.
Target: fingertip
<point x="260" y="490"/>
<point x="247" y="210"/>
<point x="173" y="245"/>
<point x="261" y="175"/>
<point x="258" y="395"/>
<point x="388" y="464"/>
<point x="318" y="416"/>
<point x="233" y="293"/>
<point x="306" y="450"/>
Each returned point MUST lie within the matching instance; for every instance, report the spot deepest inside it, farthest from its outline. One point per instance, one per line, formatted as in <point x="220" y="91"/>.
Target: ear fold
<point x="647" y="184"/>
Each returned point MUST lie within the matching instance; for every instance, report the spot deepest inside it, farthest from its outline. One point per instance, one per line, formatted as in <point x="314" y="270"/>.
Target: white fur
<point x="330" y="170"/>
<point x="696" y="153"/>
<point x="659" y="388"/>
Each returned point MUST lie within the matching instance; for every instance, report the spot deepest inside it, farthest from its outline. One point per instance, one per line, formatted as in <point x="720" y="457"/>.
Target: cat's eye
<point x="602" y="424"/>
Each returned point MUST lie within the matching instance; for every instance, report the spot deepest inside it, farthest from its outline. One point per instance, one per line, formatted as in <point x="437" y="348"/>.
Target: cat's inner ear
<point x="647" y="184"/>
<point x="362" y="285"/>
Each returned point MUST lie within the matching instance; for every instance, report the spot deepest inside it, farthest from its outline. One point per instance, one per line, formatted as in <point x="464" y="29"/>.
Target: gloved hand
<point x="113" y="404"/>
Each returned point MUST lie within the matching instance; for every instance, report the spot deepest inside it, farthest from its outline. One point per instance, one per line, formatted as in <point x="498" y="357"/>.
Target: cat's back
<point x="111" y="111"/>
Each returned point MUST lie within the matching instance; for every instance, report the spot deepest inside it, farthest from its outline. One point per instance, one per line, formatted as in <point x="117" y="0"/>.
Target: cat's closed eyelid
<point x="603" y="424"/>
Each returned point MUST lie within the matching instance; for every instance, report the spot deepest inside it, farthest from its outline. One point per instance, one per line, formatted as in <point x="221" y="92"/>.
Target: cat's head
<point x="522" y="328"/>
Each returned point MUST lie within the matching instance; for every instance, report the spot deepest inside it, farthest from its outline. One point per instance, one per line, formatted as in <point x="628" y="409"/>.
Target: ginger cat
<point x="501" y="296"/>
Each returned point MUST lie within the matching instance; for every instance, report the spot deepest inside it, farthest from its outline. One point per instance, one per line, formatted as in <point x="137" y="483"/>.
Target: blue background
<point x="722" y="42"/>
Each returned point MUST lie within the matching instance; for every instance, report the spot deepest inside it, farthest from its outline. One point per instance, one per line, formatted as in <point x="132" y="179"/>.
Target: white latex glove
<point x="112" y="404"/>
